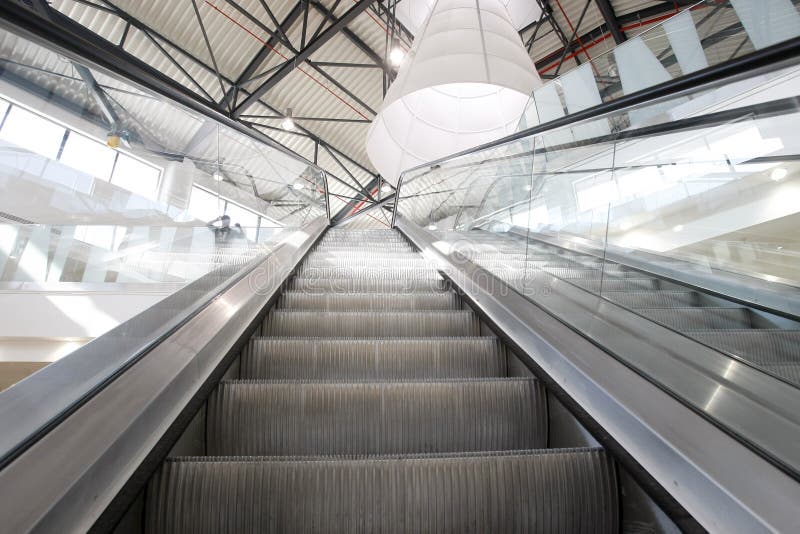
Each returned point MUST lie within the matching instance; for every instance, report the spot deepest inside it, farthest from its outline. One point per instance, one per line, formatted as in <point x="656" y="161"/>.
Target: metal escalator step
<point x="566" y="491"/>
<point x="686" y="319"/>
<point x="356" y="238"/>
<point x="335" y="233"/>
<point x="364" y="244"/>
<point x="653" y="299"/>
<point x="594" y="274"/>
<point x="787" y="371"/>
<point x="377" y="245"/>
<point x="617" y="284"/>
<point x="369" y="272"/>
<point x="287" y="323"/>
<point x="330" y="256"/>
<point x="348" y="285"/>
<point x="366" y="261"/>
<point x="357" y="241"/>
<point x="757" y="346"/>
<point x="373" y="359"/>
<point x="264" y="418"/>
<point x="300" y="300"/>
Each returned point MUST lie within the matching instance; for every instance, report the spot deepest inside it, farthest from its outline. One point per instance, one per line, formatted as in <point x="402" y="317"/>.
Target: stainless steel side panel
<point x="724" y="484"/>
<point x="64" y="481"/>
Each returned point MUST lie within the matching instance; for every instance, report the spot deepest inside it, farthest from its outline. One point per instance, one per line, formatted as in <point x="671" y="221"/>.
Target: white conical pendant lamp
<point x="465" y="82"/>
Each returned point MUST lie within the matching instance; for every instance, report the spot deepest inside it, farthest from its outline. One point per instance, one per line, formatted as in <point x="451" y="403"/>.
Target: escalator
<point x="348" y="415"/>
<point x="363" y="381"/>
<point x="762" y="339"/>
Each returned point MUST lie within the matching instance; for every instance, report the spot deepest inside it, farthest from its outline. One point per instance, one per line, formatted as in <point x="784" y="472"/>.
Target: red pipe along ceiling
<point x="606" y="35"/>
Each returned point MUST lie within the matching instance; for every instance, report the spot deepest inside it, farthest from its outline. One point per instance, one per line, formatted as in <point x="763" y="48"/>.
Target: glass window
<point x="136" y="176"/>
<point x="204" y="205"/>
<point x="245" y="217"/>
<point x="32" y="132"/>
<point x="98" y="236"/>
<point x="88" y="155"/>
<point x="594" y="195"/>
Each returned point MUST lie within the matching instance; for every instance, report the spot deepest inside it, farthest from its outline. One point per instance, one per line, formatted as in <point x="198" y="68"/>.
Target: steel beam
<point x="347" y="210"/>
<point x="611" y="20"/>
<point x="344" y="89"/>
<point x="75" y="41"/>
<point x="357" y="41"/>
<point x="624" y="20"/>
<point x="572" y="37"/>
<point x="251" y="68"/>
<point x="290" y="64"/>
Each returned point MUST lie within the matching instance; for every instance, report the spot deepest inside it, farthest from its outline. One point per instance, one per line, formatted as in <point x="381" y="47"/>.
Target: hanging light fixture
<point x="465" y="81"/>
<point x="288" y="122"/>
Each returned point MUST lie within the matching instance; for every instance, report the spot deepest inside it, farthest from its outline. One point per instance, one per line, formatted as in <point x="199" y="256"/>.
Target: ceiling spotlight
<point x="778" y="174"/>
<point x="217" y="175"/>
<point x="432" y="227"/>
<point x="396" y="56"/>
<point x="527" y="187"/>
<point x="677" y="228"/>
<point x="288" y="123"/>
<point x="386" y="188"/>
<point x="298" y="186"/>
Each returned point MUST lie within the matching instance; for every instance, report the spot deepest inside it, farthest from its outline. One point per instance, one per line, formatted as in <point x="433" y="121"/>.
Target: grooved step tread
<point x="348" y="285"/>
<point x="272" y="418"/>
<point x="687" y="319"/>
<point x="547" y="492"/>
<point x="369" y="272"/>
<point x="372" y="262"/>
<point x="761" y="346"/>
<point x="373" y="359"/>
<point x="653" y="299"/>
<point x="289" y="323"/>
<point x="300" y="300"/>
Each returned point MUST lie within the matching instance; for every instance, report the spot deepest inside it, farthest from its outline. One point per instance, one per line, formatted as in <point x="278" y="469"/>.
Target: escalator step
<point x="369" y="272"/>
<point x="373" y="359"/>
<point x="572" y="491"/>
<point x="686" y="319"/>
<point x="787" y="371"/>
<point x="653" y="299"/>
<point x="299" y="300"/>
<point x="358" y="238"/>
<point x="274" y="418"/>
<point x="286" y="323"/>
<point x="368" y="262"/>
<point x="322" y="257"/>
<point x="757" y="346"/>
<point x="594" y="274"/>
<point x="372" y="245"/>
<point x="634" y="284"/>
<point x="349" y="285"/>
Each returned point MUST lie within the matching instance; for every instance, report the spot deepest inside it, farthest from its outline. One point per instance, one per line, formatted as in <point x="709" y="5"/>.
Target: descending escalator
<point x="761" y="339"/>
<point x="372" y="401"/>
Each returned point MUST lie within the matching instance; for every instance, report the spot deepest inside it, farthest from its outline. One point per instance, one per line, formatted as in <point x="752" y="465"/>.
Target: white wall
<point x="44" y="326"/>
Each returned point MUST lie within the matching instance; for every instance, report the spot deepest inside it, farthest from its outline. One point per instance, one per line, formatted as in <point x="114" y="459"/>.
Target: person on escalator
<point x="224" y="233"/>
